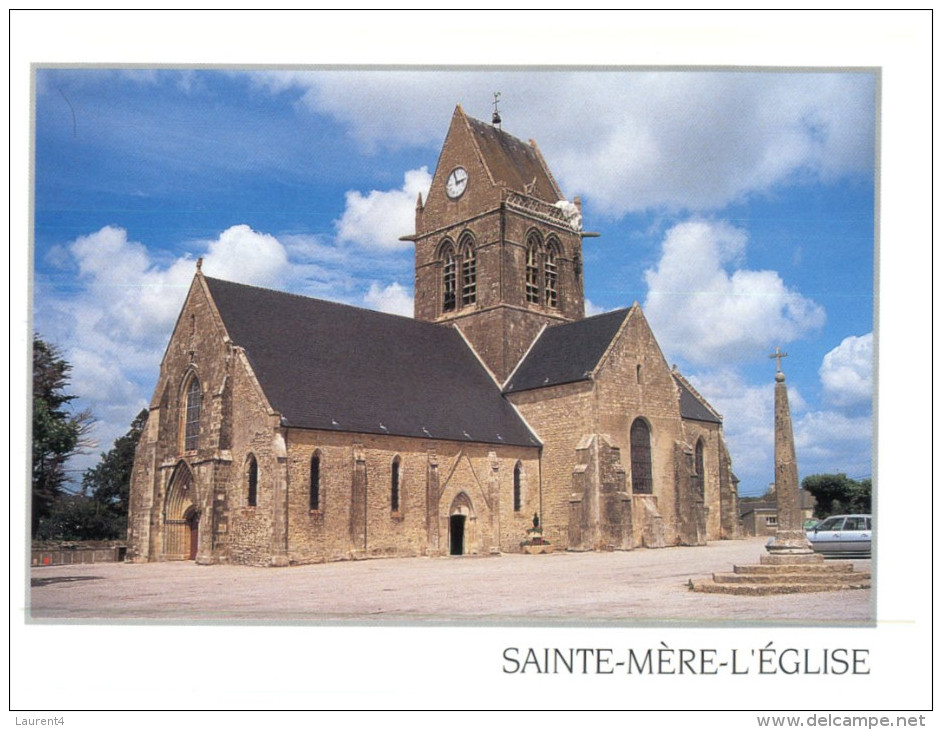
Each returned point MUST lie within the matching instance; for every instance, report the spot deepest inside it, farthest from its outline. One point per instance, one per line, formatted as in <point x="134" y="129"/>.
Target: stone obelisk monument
<point x="790" y="565"/>
<point x="790" y="536"/>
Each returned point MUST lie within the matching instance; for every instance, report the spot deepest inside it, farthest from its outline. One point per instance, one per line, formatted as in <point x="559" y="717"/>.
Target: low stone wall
<point x="69" y="553"/>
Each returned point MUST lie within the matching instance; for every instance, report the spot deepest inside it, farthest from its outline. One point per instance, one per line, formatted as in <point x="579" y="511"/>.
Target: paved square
<point x="637" y="587"/>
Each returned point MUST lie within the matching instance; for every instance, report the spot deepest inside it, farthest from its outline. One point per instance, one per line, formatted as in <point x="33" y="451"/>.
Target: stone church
<point x="286" y="430"/>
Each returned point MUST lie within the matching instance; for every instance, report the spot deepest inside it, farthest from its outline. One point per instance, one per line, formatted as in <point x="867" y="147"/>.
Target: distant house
<point x="761" y="517"/>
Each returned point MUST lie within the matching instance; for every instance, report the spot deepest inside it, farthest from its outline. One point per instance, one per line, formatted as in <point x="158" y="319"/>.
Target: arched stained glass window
<point x="641" y="478"/>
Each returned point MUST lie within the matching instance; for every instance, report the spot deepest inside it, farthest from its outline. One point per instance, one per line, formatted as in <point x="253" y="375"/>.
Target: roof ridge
<point x="332" y="302"/>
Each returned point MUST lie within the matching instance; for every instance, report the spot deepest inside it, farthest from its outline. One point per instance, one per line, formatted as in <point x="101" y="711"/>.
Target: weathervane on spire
<point x="495" y="117"/>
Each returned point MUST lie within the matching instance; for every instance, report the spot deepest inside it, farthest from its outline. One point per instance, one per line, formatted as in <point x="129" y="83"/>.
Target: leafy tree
<point x="76" y="517"/>
<point x="108" y="484"/>
<point x="837" y="493"/>
<point x="57" y="432"/>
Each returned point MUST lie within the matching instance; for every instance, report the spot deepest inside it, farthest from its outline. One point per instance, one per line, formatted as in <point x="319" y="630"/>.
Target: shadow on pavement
<point x="40" y="582"/>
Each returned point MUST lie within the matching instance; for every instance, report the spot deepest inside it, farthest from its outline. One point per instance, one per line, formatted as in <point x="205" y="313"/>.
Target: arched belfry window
<point x="551" y="274"/>
<point x="192" y="407"/>
<point x="518" y="487"/>
<point x="394" y="485"/>
<point x="449" y="279"/>
<point x="315" y="490"/>
<point x="698" y="466"/>
<point x="469" y="293"/>
<point x="534" y="246"/>
<point x="640" y="437"/>
<point x="251" y="478"/>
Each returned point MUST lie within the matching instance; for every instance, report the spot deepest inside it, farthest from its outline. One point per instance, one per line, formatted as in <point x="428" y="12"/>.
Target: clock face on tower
<point x="456" y="183"/>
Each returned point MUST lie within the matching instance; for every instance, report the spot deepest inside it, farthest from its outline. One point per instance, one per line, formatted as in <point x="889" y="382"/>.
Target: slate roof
<point x="512" y="162"/>
<point x="691" y="407"/>
<point x="566" y="353"/>
<point x="335" y="367"/>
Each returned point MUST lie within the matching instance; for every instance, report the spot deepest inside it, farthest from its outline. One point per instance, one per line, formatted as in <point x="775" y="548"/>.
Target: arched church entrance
<point x="181" y="518"/>
<point x="460" y="517"/>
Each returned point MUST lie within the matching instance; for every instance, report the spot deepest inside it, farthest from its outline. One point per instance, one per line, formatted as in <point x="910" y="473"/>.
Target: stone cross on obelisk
<point x="790" y="536"/>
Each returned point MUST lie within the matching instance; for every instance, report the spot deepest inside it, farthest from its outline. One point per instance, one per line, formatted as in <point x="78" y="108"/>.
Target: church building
<point x="287" y="430"/>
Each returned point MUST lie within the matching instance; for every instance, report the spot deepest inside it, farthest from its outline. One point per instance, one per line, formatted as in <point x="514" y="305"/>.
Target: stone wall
<point x="478" y="475"/>
<point x="561" y="416"/>
<point x="196" y="349"/>
<point x="634" y="382"/>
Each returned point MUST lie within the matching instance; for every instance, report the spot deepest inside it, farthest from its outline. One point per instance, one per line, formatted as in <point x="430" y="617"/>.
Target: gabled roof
<point x="566" y="353"/>
<point x="693" y="406"/>
<point x="334" y="367"/>
<point x="512" y="162"/>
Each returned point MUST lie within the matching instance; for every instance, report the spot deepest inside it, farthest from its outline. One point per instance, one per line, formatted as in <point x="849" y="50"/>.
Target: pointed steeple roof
<point x="510" y="162"/>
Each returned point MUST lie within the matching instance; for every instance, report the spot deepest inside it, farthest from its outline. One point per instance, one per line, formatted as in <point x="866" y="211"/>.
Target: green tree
<point x="57" y="432"/>
<point x="837" y="493"/>
<point x="107" y="484"/>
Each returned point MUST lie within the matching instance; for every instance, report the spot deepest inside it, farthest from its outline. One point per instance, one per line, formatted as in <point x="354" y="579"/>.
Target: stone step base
<point x="811" y="577"/>
<point x="791" y="558"/>
<point x="768" y="589"/>
<point x="810" y="569"/>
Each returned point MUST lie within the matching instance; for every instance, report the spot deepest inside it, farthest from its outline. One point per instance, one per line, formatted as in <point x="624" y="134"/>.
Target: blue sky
<point x="737" y="208"/>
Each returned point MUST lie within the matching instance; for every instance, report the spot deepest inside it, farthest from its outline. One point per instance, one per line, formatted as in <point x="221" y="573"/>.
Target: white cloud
<point x="377" y="219"/>
<point x="246" y="256"/>
<point x="393" y="299"/>
<point x="648" y="139"/>
<point x="592" y="309"/>
<point x="706" y="312"/>
<point x="847" y="372"/>
<point x="114" y="327"/>
<point x="830" y="442"/>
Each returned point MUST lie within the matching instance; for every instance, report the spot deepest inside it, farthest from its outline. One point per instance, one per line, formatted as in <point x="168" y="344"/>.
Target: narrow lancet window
<point x="394" y="486"/>
<point x="518" y="495"/>
<point x="640" y="437"/>
<point x="469" y="294"/>
<point x="315" y="482"/>
<point x="449" y="281"/>
<point x="194" y="403"/>
<point x="533" y="269"/>
<point x="551" y="278"/>
<point x="252" y="498"/>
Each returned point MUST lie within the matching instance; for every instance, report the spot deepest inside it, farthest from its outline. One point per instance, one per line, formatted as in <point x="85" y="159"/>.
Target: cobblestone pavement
<point x="640" y="587"/>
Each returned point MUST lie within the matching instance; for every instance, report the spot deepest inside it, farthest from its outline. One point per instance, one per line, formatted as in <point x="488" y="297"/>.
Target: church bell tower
<point x="498" y="249"/>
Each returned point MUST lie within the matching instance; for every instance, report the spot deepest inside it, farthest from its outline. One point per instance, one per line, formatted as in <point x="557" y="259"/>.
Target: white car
<point x="843" y="536"/>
